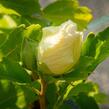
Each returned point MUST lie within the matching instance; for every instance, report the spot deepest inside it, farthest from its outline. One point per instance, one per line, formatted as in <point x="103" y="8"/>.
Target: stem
<point x="42" y="94"/>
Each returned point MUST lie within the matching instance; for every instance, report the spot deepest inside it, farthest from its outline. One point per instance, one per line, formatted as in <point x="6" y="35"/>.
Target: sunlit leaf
<point x="4" y="10"/>
<point x="7" y="22"/>
<point x="81" y="88"/>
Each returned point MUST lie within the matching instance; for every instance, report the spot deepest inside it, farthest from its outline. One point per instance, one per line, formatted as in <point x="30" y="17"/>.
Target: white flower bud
<point x="59" y="49"/>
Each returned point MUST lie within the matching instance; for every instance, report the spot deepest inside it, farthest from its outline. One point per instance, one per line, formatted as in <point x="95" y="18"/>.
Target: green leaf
<point x="104" y="100"/>
<point x="32" y="35"/>
<point x="89" y="46"/>
<point x="69" y="104"/>
<point x="86" y="102"/>
<point x="33" y="32"/>
<point x="49" y="79"/>
<point x="29" y="54"/>
<point x="102" y="51"/>
<point x="65" y="106"/>
<point x="15" y="97"/>
<point x="37" y="19"/>
<point x="61" y="11"/>
<point x="13" y="71"/>
<point x="35" y="85"/>
<point x="97" y="46"/>
<point x="8" y="95"/>
<point x="27" y="12"/>
<point x="7" y="22"/>
<point x="51" y="95"/>
<point x="4" y="10"/>
<point x="26" y="97"/>
<point x="81" y="71"/>
<point x="3" y="37"/>
<point x="62" y="86"/>
<point x="81" y="88"/>
<point x="12" y="46"/>
<point x="23" y="7"/>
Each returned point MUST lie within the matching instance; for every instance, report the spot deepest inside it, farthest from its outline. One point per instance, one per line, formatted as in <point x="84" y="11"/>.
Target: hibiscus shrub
<point x="44" y="62"/>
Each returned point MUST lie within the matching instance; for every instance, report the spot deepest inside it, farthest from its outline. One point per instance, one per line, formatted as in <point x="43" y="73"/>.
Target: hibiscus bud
<point x="59" y="49"/>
